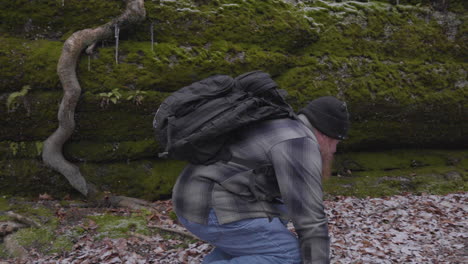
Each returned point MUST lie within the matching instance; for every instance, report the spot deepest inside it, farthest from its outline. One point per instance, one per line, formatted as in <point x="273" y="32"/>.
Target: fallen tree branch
<point x="175" y="231"/>
<point x="23" y="219"/>
<point x="140" y="236"/>
<point x="128" y="202"/>
<point x="9" y="227"/>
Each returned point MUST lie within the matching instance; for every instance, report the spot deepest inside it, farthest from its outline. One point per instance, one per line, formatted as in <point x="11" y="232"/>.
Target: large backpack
<point x="195" y="122"/>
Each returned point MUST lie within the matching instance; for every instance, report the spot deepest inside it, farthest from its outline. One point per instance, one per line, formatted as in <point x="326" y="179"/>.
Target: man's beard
<point x="327" y="163"/>
<point x="327" y="149"/>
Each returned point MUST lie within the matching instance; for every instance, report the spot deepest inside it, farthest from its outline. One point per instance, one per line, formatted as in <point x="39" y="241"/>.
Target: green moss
<point x="184" y="34"/>
<point x="172" y="66"/>
<point x="431" y="180"/>
<point x="88" y="151"/>
<point x="44" y="238"/>
<point x="51" y="19"/>
<point x="147" y="179"/>
<point x="186" y="29"/>
<point x="4" y="208"/>
<point x="4" y="218"/>
<point x="380" y="30"/>
<point x="30" y="177"/>
<point x="385" y="134"/>
<point x="30" y="63"/>
<point x="4" y="205"/>
<point x="413" y="104"/>
<point x="11" y="149"/>
<point x="3" y="251"/>
<point x="13" y="97"/>
<point x="173" y="215"/>
<point x="363" y="53"/>
<point x="154" y="179"/>
<point x="34" y="237"/>
<point x="391" y="83"/>
<point x="163" y="176"/>
<point x="227" y="21"/>
<point x="354" y="59"/>
<point x="113" y="226"/>
<point x="108" y="151"/>
<point x="35" y="119"/>
<point x="40" y="214"/>
<point x="63" y="243"/>
<point x="433" y="183"/>
<point x="398" y="171"/>
<point x="188" y="23"/>
<point x="399" y="159"/>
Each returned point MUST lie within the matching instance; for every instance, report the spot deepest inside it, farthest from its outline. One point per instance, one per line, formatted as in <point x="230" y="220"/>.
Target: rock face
<point x="401" y="68"/>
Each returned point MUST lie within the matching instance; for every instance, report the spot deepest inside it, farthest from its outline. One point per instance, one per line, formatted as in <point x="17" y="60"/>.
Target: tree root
<point x="85" y="39"/>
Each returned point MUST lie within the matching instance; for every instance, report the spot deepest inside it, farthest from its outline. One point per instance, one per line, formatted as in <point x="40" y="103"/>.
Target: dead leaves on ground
<point x="132" y="250"/>
<point x="397" y="229"/>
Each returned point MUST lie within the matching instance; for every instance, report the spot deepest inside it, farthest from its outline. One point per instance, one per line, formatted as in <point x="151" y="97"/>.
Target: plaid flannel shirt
<point x="292" y="150"/>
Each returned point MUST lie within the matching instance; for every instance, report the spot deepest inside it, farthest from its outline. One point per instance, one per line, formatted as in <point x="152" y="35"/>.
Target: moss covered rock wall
<point x="401" y="68"/>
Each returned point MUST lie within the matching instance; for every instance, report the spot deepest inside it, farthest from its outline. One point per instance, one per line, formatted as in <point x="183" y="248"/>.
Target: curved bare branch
<point x="66" y="69"/>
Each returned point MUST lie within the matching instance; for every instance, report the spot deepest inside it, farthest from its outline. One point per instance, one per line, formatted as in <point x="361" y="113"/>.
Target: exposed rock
<point x="400" y="67"/>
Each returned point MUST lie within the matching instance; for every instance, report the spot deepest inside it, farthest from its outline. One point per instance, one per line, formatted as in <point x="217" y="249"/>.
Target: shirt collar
<point x="306" y="123"/>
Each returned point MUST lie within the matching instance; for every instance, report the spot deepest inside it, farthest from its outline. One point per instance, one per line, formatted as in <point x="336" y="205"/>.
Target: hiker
<point x="243" y="212"/>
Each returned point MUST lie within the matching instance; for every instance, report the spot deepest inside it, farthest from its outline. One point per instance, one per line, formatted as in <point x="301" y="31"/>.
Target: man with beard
<point x="242" y="206"/>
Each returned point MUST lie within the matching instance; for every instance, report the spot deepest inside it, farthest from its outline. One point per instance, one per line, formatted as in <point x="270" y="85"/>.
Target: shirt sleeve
<point x="298" y="165"/>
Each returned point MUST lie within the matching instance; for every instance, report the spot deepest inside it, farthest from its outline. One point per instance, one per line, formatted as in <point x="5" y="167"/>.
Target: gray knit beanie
<point x="329" y="115"/>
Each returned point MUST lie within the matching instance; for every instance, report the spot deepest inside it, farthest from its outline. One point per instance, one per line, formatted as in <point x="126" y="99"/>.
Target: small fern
<point x="137" y="97"/>
<point x="112" y="96"/>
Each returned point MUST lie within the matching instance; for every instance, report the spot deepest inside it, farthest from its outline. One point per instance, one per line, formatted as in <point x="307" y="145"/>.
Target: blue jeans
<point x="249" y="241"/>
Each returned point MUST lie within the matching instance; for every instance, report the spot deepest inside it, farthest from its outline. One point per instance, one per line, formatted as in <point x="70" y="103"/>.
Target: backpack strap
<point x="165" y="154"/>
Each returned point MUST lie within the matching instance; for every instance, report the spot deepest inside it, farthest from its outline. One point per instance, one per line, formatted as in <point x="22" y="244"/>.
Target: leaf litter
<point x="398" y="229"/>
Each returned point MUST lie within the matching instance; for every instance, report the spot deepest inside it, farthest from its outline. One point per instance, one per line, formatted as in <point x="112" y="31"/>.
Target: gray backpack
<point x="195" y="122"/>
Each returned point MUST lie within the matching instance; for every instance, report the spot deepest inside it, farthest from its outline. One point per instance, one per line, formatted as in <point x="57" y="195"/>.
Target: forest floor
<point x="396" y="229"/>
